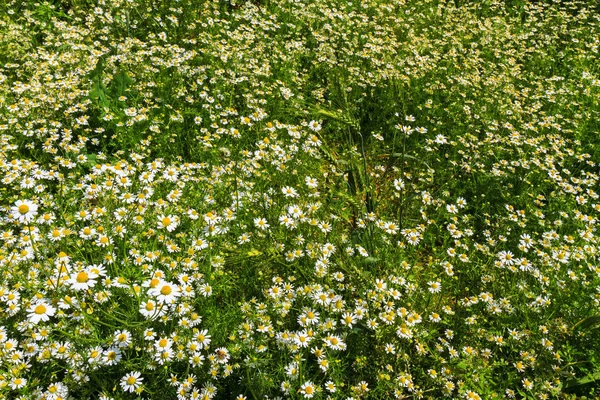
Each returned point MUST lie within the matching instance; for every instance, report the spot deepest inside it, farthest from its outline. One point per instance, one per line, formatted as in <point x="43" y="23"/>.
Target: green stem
<point x="401" y="210"/>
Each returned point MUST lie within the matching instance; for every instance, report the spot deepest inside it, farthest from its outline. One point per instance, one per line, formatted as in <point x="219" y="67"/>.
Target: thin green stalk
<point x="401" y="209"/>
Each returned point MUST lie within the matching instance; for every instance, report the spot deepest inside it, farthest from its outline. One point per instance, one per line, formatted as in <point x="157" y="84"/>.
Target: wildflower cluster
<point x="303" y="199"/>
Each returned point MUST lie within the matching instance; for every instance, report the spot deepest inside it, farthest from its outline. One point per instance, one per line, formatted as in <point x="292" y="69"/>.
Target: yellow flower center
<point x="166" y="290"/>
<point x="40" y="309"/>
<point x="82" y="277"/>
<point x="149" y="306"/>
<point x="309" y="390"/>
<point x="162" y="342"/>
<point x="23" y="208"/>
<point x="166" y="221"/>
<point x="131" y="380"/>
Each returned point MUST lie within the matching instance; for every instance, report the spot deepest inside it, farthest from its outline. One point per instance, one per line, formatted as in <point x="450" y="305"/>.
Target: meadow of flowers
<point x="362" y="199"/>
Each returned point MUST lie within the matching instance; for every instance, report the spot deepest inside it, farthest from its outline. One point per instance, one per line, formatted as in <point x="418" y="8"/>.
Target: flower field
<point x="362" y="199"/>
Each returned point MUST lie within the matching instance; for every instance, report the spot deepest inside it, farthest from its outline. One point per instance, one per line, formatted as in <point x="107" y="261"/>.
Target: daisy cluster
<point x="329" y="200"/>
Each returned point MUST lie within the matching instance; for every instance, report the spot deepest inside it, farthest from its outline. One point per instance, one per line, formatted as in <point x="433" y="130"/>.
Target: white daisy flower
<point x="169" y="222"/>
<point x="434" y="287"/>
<point x="165" y="292"/>
<point x="151" y="310"/>
<point x="24" y="211"/>
<point x="83" y="280"/>
<point x="308" y="389"/>
<point x="17" y="383"/>
<point x="289" y="191"/>
<point x="131" y="381"/>
<point x="40" y="311"/>
<point x="314" y="126"/>
<point x="261" y="223"/>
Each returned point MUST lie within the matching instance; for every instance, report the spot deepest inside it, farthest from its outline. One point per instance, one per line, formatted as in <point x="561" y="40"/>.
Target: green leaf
<point x="589" y="379"/>
<point x="92" y="159"/>
<point x="402" y="155"/>
<point x="120" y="83"/>
<point x="370" y="260"/>
<point x="583" y="381"/>
<point x="587" y="323"/>
<point x="94" y="94"/>
<point x="349" y="199"/>
<point x="461" y="365"/>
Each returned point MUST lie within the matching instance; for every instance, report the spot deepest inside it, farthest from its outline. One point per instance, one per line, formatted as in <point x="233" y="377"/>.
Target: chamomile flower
<point x="434" y="286"/>
<point x="40" y="310"/>
<point x="122" y="338"/>
<point x="205" y="289"/>
<point x="311" y="182"/>
<point x="261" y="223"/>
<point x="289" y="191"/>
<point x="334" y="342"/>
<point x="165" y="292"/>
<point x="17" y="383"/>
<point x="292" y="370"/>
<point x="169" y="222"/>
<point x="112" y="356"/>
<point x="314" y="126"/>
<point x="308" y="389"/>
<point x="131" y="381"/>
<point x="203" y="338"/>
<point x="398" y="184"/>
<point x="87" y="232"/>
<point x="24" y="211"/>
<point x="200" y="244"/>
<point x="103" y="241"/>
<point x="222" y="355"/>
<point x="244" y="238"/>
<point x="83" y="280"/>
<point x="302" y="339"/>
<point x="330" y="386"/>
<point x="348" y="319"/>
